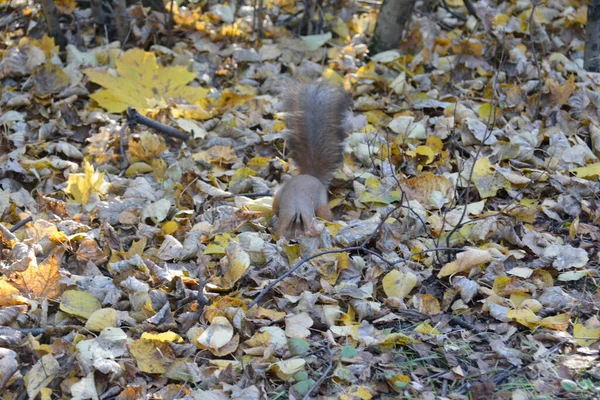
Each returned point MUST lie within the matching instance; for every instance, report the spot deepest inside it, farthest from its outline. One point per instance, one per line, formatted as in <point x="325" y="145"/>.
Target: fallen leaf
<point x="78" y="303"/>
<point x="41" y="374"/>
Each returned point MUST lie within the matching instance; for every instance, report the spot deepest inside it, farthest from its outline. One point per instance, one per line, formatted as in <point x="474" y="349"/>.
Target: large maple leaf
<point x="141" y="82"/>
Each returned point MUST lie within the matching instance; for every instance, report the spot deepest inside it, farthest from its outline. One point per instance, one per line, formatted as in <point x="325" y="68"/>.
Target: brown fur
<point x="315" y="118"/>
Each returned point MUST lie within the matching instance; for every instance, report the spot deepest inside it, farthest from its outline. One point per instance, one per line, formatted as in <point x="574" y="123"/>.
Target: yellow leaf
<point x="489" y="114"/>
<point x="102" y="318"/>
<point x="487" y="180"/>
<point x="170" y="227"/>
<point x="9" y="295"/>
<point x="357" y="393"/>
<point x="435" y="143"/>
<point x="273" y="315"/>
<point x="286" y="368"/>
<point x="399" y="284"/>
<point x="585" y="336"/>
<point x="333" y="76"/>
<point x="78" y="303"/>
<point x="331" y="265"/>
<point x="398" y="382"/>
<point x="524" y="317"/>
<point x="426" y="329"/>
<point x="163" y="337"/>
<point x="138" y="168"/>
<point x="518" y="298"/>
<point x="239" y="261"/>
<point x="426" y="152"/>
<point x="501" y="20"/>
<point x="82" y="186"/>
<point x="542" y="278"/>
<point x="140" y="81"/>
<point x="377" y="193"/>
<point x="41" y="281"/>
<point x="152" y="356"/>
<point x="340" y="28"/>
<point x="240" y="175"/>
<point x="46" y="393"/>
<point x="590" y="171"/>
<point x="258" y="163"/>
<point x="46" y="43"/>
<point x="558" y="322"/>
<point x="465" y="261"/>
<point x="219" y="244"/>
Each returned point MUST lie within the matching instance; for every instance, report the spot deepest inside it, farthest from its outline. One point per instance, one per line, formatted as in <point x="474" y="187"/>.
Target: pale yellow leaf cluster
<point x="82" y="186"/>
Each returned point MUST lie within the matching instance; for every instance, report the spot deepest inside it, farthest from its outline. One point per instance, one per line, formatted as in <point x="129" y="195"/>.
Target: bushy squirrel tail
<point x="316" y="115"/>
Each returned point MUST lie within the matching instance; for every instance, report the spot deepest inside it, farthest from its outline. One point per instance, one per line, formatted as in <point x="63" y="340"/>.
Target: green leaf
<point x="303" y="387"/>
<point x="298" y="346"/>
<point x="349" y="352"/>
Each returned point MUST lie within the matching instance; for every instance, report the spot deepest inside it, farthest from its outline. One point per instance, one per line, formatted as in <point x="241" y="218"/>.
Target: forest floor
<point x="462" y="262"/>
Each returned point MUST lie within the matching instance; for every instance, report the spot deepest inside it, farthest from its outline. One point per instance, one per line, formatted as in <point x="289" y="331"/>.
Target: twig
<point x="535" y="61"/>
<point x="456" y="320"/>
<point x="21" y="224"/>
<point x="136" y="117"/>
<point x="514" y="370"/>
<point x="323" y="377"/>
<point x="471" y="8"/>
<point x="251" y="195"/>
<point x="454" y="14"/>
<point x="122" y="145"/>
<point x="489" y="130"/>
<point x="337" y="251"/>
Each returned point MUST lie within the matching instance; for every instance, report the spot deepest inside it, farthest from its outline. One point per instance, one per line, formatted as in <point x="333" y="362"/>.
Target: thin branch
<point x="21" y="224"/>
<point x="323" y="377"/>
<point x="134" y="116"/>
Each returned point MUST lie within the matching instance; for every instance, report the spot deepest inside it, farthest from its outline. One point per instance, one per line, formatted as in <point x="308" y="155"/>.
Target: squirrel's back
<point x="315" y="116"/>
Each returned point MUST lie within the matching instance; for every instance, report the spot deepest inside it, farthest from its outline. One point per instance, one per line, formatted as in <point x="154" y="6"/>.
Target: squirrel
<point x="315" y="114"/>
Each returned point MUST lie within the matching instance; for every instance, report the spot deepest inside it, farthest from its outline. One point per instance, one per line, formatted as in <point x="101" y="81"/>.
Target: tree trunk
<point x="592" y="37"/>
<point x="121" y="20"/>
<point x="392" y="19"/>
<point x="51" y="16"/>
<point x="98" y="12"/>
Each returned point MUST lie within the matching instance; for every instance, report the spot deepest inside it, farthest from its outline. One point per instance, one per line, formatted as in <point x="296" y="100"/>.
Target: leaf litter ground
<point x="467" y="202"/>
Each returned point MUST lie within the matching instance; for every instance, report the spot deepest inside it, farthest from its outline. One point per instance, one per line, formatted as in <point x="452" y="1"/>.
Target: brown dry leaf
<point x="147" y="148"/>
<point x="562" y="93"/>
<point x="427" y="304"/>
<point x="50" y="79"/>
<point x="41" y="374"/>
<point x="297" y="326"/>
<point x="239" y="261"/>
<point x="431" y="190"/>
<point x="10" y="295"/>
<point x="41" y="281"/>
